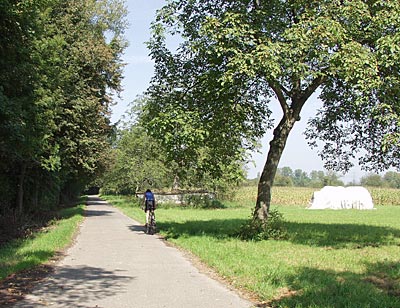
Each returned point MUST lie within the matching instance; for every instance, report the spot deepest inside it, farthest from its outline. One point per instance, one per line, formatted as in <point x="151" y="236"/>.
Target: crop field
<point x="346" y="258"/>
<point x="301" y="195"/>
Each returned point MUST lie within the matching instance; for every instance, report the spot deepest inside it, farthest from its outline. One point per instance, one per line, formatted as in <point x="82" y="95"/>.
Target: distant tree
<point x="286" y="177"/>
<point x="140" y="161"/>
<point x="286" y="171"/>
<point x="301" y="178"/>
<point x="137" y="164"/>
<point x="392" y="179"/>
<point x="251" y="182"/>
<point x="332" y="179"/>
<point x="317" y="178"/>
<point x="372" y="180"/>
<point x="281" y="180"/>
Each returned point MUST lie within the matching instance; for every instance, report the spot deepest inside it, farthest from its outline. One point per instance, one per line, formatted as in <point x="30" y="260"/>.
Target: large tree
<point x="239" y="56"/>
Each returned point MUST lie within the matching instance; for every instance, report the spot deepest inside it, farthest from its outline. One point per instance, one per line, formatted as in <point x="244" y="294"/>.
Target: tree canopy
<point x="237" y="57"/>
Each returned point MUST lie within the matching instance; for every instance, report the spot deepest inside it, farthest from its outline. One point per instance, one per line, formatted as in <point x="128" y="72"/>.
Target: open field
<point x="343" y="258"/>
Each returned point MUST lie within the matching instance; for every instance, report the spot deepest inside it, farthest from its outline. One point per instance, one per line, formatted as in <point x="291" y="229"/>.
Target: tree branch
<point x="278" y="89"/>
<point x="298" y="103"/>
<point x="313" y="86"/>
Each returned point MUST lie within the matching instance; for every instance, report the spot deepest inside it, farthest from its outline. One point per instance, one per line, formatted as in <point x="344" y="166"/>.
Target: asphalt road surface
<point x="114" y="264"/>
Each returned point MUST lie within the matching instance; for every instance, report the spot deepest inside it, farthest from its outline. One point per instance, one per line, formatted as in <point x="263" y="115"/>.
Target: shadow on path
<point x="71" y="285"/>
<point x="95" y="200"/>
<point x="136" y="228"/>
<point x="90" y="213"/>
<point x="92" y="201"/>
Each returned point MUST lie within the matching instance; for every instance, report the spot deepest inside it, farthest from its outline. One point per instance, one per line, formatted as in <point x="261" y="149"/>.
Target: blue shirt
<point x="149" y="196"/>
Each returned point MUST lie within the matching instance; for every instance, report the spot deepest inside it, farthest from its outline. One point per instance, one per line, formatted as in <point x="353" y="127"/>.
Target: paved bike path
<point x="114" y="264"/>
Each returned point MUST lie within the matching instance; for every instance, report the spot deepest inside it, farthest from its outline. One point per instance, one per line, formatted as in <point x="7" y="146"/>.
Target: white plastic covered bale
<point x="338" y="197"/>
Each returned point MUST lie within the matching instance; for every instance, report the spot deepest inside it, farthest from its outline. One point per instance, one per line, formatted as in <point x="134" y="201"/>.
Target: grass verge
<point x="331" y="258"/>
<point x="27" y="253"/>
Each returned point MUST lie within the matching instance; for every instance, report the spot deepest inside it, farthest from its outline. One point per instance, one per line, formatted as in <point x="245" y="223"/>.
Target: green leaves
<point x="361" y="99"/>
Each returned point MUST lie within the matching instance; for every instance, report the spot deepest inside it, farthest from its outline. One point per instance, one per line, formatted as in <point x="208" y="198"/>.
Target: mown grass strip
<point x="346" y="258"/>
<point x="24" y="254"/>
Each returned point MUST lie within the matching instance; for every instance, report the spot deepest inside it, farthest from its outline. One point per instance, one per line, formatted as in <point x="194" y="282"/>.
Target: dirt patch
<point x="386" y="284"/>
<point x="284" y="293"/>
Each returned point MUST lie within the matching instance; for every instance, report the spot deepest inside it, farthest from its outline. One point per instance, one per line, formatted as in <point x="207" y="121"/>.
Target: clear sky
<point x="139" y="70"/>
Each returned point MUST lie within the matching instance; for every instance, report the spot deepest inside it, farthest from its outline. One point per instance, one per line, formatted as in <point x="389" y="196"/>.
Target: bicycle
<point x="151" y="227"/>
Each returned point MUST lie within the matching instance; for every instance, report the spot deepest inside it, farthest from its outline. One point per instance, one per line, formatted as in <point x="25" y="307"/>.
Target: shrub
<point x="256" y="230"/>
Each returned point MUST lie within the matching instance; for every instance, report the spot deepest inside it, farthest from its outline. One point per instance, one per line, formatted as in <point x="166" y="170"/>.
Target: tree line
<point x="60" y="66"/>
<point x="390" y="179"/>
<point x="286" y="176"/>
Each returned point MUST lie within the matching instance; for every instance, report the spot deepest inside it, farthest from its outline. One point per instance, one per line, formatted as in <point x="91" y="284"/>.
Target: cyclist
<point x="149" y="204"/>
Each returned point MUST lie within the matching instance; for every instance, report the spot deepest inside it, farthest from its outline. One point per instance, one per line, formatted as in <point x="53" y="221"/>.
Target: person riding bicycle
<point x="149" y="204"/>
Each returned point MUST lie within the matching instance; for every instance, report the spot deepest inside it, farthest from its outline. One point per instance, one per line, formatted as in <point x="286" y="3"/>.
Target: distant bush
<point x="202" y="201"/>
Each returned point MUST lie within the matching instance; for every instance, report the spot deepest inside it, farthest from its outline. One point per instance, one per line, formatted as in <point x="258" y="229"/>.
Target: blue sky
<point x="139" y="70"/>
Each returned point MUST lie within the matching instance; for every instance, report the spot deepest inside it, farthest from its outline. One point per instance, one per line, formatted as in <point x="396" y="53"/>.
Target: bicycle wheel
<point x="152" y="227"/>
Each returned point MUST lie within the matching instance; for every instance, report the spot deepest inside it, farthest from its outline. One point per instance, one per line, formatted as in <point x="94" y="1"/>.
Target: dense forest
<point x="60" y="67"/>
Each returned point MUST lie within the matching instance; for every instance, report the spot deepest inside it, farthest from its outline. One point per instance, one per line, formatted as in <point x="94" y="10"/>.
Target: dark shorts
<point x="149" y="205"/>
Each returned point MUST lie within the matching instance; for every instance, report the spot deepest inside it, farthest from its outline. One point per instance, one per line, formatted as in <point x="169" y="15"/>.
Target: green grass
<point x="25" y="254"/>
<point x="335" y="259"/>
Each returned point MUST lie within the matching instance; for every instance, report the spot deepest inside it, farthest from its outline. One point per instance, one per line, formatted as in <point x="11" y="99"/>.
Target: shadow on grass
<point x="310" y="287"/>
<point x="342" y="235"/>
<point x="312" y="234"/>
<point x="215" y="228"/>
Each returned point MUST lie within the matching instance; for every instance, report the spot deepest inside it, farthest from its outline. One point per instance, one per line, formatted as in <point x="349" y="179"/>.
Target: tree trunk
<point x="20" y="195"/>
<point x="277" y="145"/>
<point x="36" y="194"/>
<point x="291" y="114"/>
